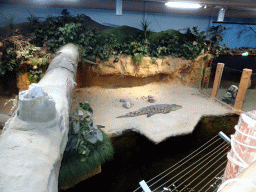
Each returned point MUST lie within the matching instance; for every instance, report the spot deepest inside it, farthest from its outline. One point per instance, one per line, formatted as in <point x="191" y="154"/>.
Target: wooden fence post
<point x="217" y="79"/>
<point x="243" y="85"/>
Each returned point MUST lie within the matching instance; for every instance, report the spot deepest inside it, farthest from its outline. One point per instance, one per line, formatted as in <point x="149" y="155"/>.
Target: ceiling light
<point x="221" y="15"/>
<point x="183" y="5"/>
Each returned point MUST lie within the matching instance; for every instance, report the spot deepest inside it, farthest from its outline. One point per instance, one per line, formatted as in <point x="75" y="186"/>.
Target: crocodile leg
<point x="150" y="114"/>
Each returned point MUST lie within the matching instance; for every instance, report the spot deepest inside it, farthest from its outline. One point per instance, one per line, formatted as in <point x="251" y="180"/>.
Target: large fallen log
<point x="34" y="138"/>
<point x="3" y="119"/>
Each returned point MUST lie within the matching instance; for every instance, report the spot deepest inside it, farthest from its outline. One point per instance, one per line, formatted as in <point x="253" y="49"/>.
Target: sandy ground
<point x="107" y="106"/>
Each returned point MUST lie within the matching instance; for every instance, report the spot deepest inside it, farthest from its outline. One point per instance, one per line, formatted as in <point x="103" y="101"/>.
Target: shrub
<point x="137" y="58"/>
<point x="87" y="147"/>
<point x="8" y="62"/>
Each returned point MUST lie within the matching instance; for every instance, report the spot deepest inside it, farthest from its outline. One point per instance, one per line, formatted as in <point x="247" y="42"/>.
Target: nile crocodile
<point x="153" y="109"/>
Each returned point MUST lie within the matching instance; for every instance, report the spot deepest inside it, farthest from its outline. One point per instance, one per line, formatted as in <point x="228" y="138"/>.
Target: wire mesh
<point x="199" y="171"/>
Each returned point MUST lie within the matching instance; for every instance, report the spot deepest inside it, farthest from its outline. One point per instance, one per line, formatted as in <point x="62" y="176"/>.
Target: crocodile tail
<point x="126" y="115"/>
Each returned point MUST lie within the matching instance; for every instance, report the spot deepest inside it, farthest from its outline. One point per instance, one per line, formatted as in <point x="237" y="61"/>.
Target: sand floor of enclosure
<point x="107" y="106"/>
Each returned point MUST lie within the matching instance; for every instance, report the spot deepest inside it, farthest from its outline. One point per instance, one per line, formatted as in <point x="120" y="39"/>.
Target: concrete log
<point x="34" y="138"/>
<point x="3" y="119"/>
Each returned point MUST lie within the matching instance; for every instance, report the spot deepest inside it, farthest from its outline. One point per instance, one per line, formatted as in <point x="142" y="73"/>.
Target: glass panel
<point x="250" y="96"/>
<point x="229" y="85"/>
<point x="208" y="78"/>
<point x="232" y="72"/>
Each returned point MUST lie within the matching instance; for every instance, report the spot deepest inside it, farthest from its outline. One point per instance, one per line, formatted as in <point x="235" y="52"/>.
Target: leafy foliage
<point x="19" y="51"/>
<point x="123" y="34"/>
<point x="171" y="42"/>
<point x="147" y="31"/>
<point x="193" y="43"/>
<point x="215" y="38"/>
<point x="105" y="49"/>
<point x="58" y="31"/>
<point x="87" y="147"/>
<point x="137" y="58"/>
<point x="8" y="62"/>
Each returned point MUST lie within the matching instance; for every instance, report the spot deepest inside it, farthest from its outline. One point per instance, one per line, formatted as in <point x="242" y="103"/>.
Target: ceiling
<point x="233" y="8"/>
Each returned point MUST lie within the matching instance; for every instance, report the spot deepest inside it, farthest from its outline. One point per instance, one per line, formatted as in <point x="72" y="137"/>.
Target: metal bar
<point x="224" y="137"/>
<point x="144" y="186"/>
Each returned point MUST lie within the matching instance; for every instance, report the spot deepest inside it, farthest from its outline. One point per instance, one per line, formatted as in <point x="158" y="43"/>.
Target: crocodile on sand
<point x="153" y="109"/>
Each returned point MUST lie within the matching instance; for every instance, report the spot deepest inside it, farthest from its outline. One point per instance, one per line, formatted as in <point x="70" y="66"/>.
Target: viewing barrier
<point x="240" y="170"/>
<point x="34" y="138"/>
<point x="206" y="165"/>
<point x="231" y="90"/>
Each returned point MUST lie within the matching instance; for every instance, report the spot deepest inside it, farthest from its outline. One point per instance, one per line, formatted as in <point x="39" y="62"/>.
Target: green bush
<point x="58" y="31"/>
<point x="163" y="37"/>
<point x="172" y="42"/>
<point x="8" y="62"/>
<point x="106" y="48"/>
<point x="214" y="39"/>
<point x="137" y="58"/>
<point x="87" y="147"/>
<point x="123" y="34"/>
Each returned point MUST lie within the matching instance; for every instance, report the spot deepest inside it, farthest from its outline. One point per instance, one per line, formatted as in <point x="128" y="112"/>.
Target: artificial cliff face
<point x="126" y="72"/>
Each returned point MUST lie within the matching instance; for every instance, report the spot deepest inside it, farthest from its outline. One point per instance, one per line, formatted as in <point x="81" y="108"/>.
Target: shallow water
<point x="136" y="158"/>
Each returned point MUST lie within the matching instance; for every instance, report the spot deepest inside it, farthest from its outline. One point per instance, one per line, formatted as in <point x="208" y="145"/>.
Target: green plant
<point x="86" y="134"/>
<point x="214" y="39"/>
<point x="138" y="48"/>
<point x="137" y="58"/>
<point x="35" y="74"/>
<point x="8" y="62"/>
<point x="56" y="31"/>
<point x="153" y="60"/>
<point x="87" y="147"/>
<point x="105" y="49"/>
<point x="165" y="43"/>
<point x="70" y="33"/>
<point x="145" y="26"/>
<point x="37" y="60"/>
<point x="193" y="43"/>
<point x="216" y="34"/>
<point x="160" y="51"/>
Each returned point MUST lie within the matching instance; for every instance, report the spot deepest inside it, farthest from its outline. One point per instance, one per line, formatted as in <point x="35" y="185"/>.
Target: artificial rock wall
<point x="186" y="71"/>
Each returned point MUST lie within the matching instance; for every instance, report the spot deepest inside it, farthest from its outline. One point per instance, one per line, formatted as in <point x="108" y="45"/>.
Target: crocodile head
<point x="175" y="107"/>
